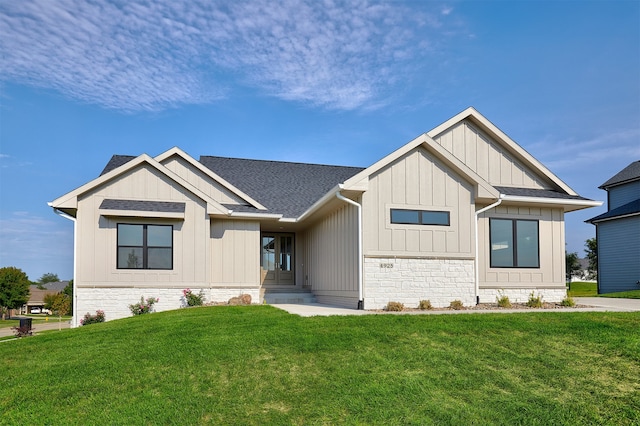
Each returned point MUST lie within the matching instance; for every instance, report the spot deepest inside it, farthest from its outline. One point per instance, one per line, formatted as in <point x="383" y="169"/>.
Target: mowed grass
<point x="588" y="289"/>
<point x="259" y="365"/>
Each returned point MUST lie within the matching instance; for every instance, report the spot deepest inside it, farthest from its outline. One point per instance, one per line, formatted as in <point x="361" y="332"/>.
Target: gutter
<point x="74" y="301"/>
<point x="477" y="256"/>
<point x="360" y="280"/>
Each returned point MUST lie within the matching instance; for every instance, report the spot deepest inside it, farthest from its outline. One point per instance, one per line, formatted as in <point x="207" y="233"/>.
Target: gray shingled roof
<point x="624" y="210"/>
<point x="629" y="173"/>
<point x="145" y="206"/>
<point x="537" y="193"/>
<point x="115" y="162"/>
<point x="282" y="187"/>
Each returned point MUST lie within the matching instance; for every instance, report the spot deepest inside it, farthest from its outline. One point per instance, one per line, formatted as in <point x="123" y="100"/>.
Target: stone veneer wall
<point x="115" y="301"/>
<point x="521" y="295"/>
<point x="409" y="280"/>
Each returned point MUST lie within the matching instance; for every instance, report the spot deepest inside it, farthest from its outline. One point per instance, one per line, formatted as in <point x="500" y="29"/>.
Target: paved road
<point x="7" y="331"/>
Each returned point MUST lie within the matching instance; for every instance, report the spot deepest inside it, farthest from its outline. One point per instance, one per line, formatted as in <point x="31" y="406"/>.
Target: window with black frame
<point x="514" y="243"/>
<point x="145" y="246"/>
<point x="420" y="217"/>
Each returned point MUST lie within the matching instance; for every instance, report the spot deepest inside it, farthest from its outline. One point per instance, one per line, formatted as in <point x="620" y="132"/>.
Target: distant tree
<point x="572" y="264"/>
<point x="592" y="255"/>
<point x="49" y="277"/>
<point x="14" y="289"/>
<point x="68" y="290"/>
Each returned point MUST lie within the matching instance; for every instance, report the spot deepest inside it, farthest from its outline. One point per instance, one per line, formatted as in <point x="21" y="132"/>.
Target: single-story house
<point x="618" y="232"/>
<point x="35" y="304"/>
<point x="459" y="213"/>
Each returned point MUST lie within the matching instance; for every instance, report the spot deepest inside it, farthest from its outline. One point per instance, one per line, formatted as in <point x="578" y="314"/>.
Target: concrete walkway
<point x="591" y="304"/>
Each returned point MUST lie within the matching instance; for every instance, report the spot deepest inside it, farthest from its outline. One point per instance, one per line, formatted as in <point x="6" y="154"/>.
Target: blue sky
<point x="334" y="82"/>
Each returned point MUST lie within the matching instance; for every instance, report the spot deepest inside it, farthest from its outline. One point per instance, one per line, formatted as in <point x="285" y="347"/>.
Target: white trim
<point x="505" y="140"/>
<point x="556" y="201"/>
<point x="614" y="218"/>
<point x="360" y="253"/>
<point x="201" y="167"/>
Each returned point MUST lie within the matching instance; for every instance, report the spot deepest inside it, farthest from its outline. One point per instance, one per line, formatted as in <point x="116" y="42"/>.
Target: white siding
<point x="330" y="262"/>
<point x="487" y="158"/>
<point x="550" y="274"/>
<point x="418" y="181"/>
<point x="235" y="253"/>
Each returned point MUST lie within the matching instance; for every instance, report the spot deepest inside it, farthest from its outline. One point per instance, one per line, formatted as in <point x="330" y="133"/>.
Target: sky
<point x="329" y="82"/>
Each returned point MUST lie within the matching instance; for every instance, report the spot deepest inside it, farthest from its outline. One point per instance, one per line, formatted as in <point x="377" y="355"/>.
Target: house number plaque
<point x="386" y="265"/>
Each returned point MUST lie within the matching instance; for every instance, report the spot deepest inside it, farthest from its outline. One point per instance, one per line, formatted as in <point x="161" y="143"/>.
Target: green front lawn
<point x="585" y="289"/>
<point x="259" y="365"/>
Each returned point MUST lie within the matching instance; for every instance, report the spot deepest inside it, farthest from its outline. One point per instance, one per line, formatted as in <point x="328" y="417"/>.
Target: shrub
<point x="534" y="301"/>
<point x="568" y="301"/>
<point x="425" y="305"/>
<point x="193" y="299"/>
<point x="23" y="331"/>
<point x="93" y="319"/>
<point x="144" y="307"/>
<point x="503" y="301"/>
<point x="243" y="299"/>
<point x="456" y="304"/>
<point x="394" y="307"/>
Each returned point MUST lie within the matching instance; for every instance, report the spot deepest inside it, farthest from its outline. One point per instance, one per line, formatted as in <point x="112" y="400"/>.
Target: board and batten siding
<point x="619" y="254"/>
<point x="623" y="194"/>
<point x="417" y="181"/>
<point x="487" y="158"/>
<point x="550" y="274"/>
<point x="330" y="257"/>
<point x="97" y="247"/>
<point x="201" y="181"/>
<point x="235" y="253"/>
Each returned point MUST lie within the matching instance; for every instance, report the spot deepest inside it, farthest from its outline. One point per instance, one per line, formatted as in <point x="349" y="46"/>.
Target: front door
<point x="277" y="258"/>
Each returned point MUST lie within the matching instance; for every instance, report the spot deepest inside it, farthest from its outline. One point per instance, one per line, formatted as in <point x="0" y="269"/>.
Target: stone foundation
<point x="409" y="280"/>
<point x="115" y="301"/>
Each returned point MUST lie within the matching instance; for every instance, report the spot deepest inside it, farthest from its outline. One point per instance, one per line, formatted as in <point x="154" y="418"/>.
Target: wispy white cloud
<point x="587" y="154"/>
<point x="149" y="55"/>
<point x="34" y="244"/>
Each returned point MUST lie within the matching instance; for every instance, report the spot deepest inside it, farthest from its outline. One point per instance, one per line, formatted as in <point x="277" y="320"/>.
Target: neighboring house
<point x="618" y="232"/>
<point x="461" y="212"/>
<point x="35" y="304"/>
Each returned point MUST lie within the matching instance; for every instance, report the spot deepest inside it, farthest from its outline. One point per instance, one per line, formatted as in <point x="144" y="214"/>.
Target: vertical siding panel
<point x="412" y="181"/>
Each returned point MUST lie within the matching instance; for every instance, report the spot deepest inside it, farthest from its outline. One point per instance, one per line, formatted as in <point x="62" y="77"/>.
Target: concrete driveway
<point x="610" y="304"/>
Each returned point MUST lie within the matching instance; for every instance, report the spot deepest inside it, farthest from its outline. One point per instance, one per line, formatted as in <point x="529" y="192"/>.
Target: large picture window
<point x="514" y="243"/>
<point x="419" y="217"/>
<point x="145" y="246"/>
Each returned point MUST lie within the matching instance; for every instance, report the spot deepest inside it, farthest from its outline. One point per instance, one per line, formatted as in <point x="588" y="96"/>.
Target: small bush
<point x="394" y="307"/>
<point x="534" y="301"/>
<point x="503" y="301"/>
<point x="23" y="331"/>
<point x="193" y="299"/>
<point x="93" y="319"/>
<point x="243" y="299"/>
<point x="425" y="305"/>
<point x="568" y="301"/>
<point x="144" y="307"/>
<point x="456" y="304"/>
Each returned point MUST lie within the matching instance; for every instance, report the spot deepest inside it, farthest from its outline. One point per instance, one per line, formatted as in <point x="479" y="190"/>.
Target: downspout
<point x="359" y="207"/>
<point x="477" y="256"/>
<point x="74" y="318"/>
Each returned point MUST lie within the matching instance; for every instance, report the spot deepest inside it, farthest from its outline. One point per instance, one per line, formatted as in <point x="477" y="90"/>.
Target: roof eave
<point x="568" y="204"/>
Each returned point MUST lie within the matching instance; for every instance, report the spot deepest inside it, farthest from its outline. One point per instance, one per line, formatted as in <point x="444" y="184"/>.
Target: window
<point x="419" y="217"/>
<point x="514" y="243"/>
<point x="145" y="246"/>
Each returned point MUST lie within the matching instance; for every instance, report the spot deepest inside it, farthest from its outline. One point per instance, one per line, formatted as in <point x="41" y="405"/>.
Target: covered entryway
<point x="276" y="259"/>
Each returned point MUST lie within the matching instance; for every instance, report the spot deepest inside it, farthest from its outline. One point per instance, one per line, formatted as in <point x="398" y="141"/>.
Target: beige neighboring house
<point x="35" y="304"/>
<point x="461" y="212"/>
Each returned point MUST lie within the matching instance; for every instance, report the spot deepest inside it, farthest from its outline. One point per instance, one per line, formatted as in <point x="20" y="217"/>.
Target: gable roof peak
<point x="628" y="174"/>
